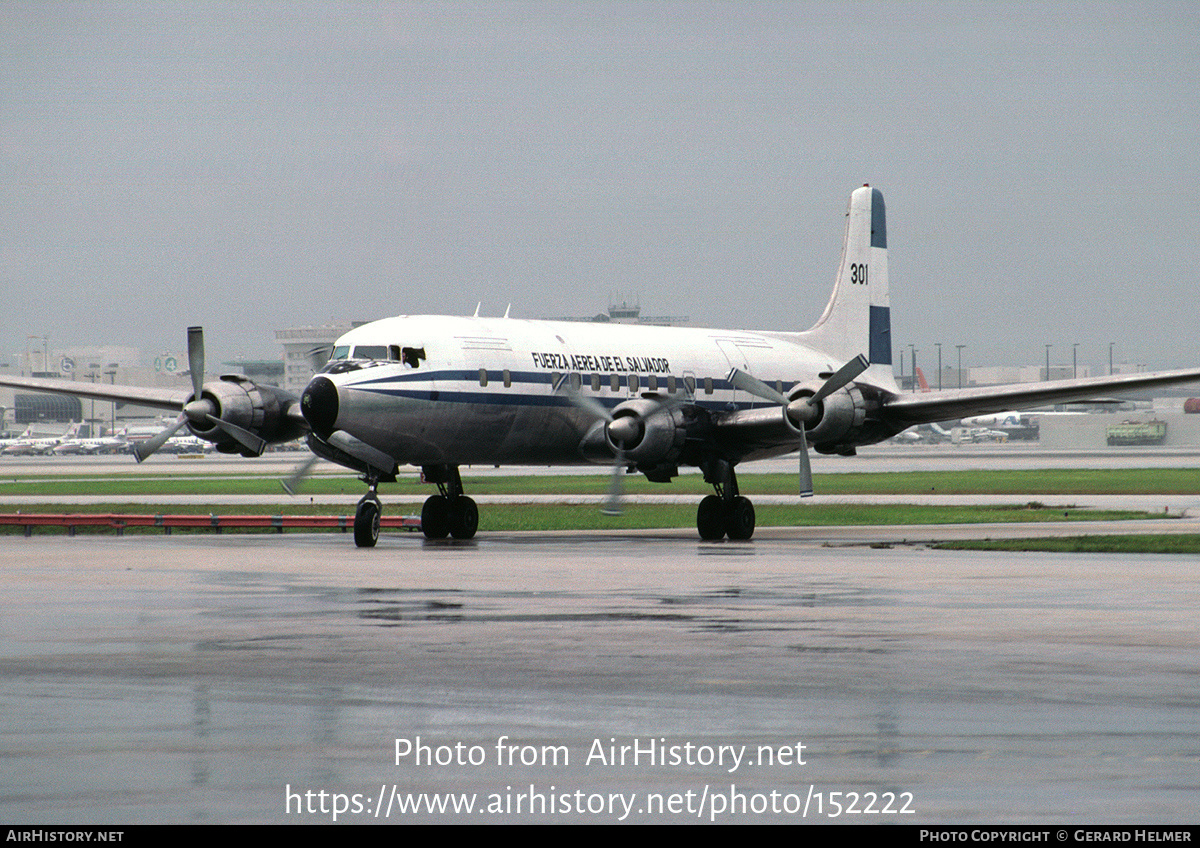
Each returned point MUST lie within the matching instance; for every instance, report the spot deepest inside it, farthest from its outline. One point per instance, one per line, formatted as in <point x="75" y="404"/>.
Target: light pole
<point x="1074" y="360"/>
<point x="1047" y="377"/>
<point x="29" y="357"/>
<point x="960" y="350"/>
<point x="938" y="345"/>
<point x="111" y="373"/>
<point x="1110" y="347"/>
<point x="913" y="348"/>
<point x="93" y="375"/>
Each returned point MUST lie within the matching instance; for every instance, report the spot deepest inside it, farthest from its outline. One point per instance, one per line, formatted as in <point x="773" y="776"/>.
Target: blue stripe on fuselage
<point x="440" y="388"/>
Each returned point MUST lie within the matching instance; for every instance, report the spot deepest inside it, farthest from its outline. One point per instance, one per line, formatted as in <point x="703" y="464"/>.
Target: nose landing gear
<point x="366" y="518"/>
<point x="448" y="513"/>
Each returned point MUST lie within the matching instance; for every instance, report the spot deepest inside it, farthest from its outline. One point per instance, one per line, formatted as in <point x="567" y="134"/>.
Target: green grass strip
<point x="1131" y="544"/>
<point x="1139" y="481"/>
<point x="515" y="516"/>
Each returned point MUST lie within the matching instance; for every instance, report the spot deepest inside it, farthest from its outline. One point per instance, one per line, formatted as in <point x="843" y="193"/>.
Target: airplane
<point x="29" y="445"/>
<point x="1017" y="425"/>
<point x="91" y="446"/>
<point x="187" y="444"/>
<point x="27" y="433"/>
<point x="963" y="435"/>
<point x="440" y="392"/>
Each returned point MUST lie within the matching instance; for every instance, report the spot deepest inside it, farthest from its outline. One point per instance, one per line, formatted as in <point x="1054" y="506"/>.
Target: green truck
<point x="1138" y="433"/>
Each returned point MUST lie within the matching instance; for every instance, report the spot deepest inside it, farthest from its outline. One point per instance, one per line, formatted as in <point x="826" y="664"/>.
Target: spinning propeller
<point x="199" y="410"/>
<point x="802" y="410"/>
<point x="624" y="432"/>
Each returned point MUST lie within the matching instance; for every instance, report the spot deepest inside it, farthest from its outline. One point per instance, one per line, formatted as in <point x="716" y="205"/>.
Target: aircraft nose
<point x="319" y="405"/>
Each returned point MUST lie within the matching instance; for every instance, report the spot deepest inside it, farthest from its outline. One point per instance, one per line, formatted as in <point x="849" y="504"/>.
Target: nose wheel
<point x="366" y="520"/>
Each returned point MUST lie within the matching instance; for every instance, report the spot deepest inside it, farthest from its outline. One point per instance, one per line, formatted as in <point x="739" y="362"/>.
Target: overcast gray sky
<point x="253" y="166"/>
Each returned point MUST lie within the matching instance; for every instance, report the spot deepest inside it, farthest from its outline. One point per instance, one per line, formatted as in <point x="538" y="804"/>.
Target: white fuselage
<point x="458" y="390"/>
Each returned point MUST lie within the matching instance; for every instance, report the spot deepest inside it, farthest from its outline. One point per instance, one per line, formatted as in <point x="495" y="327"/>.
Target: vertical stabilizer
<point x="858" y="318"/>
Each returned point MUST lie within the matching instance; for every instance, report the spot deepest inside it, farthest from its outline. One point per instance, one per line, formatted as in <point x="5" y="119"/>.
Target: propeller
<point x="318" y="357"/>
<point x="622" y="431"/>
<point x="199" y="410"/>
<point x="291" y="484"/>
<point x="802" y="410"/>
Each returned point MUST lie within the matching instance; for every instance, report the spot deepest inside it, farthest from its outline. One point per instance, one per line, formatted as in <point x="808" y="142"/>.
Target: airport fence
<point x="216" y="523"/>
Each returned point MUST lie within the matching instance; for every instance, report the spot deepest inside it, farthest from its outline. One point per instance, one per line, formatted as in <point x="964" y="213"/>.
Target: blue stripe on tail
<point x="878" y="228"/>
<point x="881" y="334"/>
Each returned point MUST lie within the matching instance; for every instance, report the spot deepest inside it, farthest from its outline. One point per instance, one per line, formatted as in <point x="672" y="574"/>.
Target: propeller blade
<point x="195" y="336"/>
<point x="318" y="357"/>
<point x="841" y="377"/>
<point x="589" y="405"/>
<point x="245" y="438"/>
<point x="141" y="450"/>
<point x="750" y="384"/>
<point x="621" y="431"/>
<point x="291" y="484"/>
<point x="807" y="406"/>
<point x="806" y="481"/>
<point x="801" y="409"/>
<point x="597" y="410"/>
<point x="612" y="504"/>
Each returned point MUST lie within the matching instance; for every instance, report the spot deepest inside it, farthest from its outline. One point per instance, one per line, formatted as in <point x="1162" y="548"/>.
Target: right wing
<point x="172" y="399"/>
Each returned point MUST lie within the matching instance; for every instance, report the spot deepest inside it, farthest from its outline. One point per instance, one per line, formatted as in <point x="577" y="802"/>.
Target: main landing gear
<point x="450" y="512"/>
<point x="726" y="513"/>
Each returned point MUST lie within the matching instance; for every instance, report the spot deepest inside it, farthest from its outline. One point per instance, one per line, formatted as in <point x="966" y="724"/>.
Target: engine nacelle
<point x="842" y="413"/>
<point x="649" y="433"/>
<point x="243" y="403"/>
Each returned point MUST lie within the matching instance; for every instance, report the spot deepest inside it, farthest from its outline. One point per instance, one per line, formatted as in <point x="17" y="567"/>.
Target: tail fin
<point x="921" y="381"/>
<point x="858" y="317"/>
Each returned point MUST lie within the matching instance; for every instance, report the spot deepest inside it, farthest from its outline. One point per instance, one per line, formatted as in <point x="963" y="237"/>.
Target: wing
<point x="926" y="407"/>
<point x="171" y="399"/>
<point x="232" y="412"/>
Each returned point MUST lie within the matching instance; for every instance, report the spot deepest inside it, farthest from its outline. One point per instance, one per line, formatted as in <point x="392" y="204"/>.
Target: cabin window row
<point x="597" y="382"/>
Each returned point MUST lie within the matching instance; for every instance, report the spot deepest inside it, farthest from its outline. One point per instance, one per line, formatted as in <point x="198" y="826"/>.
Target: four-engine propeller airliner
<point x="440" y="392"/>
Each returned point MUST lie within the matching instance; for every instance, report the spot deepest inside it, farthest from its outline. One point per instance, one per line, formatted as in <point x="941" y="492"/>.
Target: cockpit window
<point x="364" y="356"/>
<point x="370" y="352"/>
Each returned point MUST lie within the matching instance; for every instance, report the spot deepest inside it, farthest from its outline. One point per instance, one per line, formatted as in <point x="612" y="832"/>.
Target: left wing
<point x="927" y="407"/>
